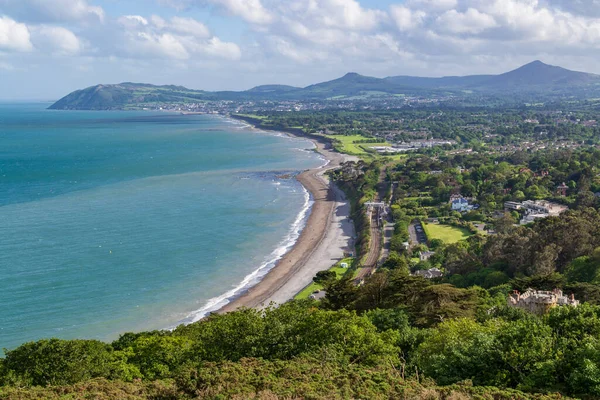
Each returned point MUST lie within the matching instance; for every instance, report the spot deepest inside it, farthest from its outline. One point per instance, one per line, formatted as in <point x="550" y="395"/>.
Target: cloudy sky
<point x="51" y="47"/>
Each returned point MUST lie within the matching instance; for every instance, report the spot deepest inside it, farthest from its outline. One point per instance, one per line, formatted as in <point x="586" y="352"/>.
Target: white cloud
<point x="156" y="45"/>
<point x="14" y="36"/>
<point x="189" y="26"/>
<point x="250" y="10"/>
<point x="45" y="11"/>
<point x="177" y="38"/>
<point x="216" y="48"/>
<point x="471" y="21"/>
<point x="424" y="37"/>
<point x="339" y="14"/>
<point x="132" y="21"/>
<point x="434" y="5"/>
<point x="56" y="39"/>
<point x="407" y="19"/>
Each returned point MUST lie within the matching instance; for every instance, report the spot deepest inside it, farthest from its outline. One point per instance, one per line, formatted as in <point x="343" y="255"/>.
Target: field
<point x="345" y="145"/>
<point x="254" y="116"/>
<point x="313" y="287"/>
<point x="446" y="233"/>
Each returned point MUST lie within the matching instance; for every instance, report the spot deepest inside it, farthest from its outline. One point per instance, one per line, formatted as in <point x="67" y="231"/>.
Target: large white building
<point x="461" y="204"/>
<point x="536" y="209"/>
<point x="541" y="301"/>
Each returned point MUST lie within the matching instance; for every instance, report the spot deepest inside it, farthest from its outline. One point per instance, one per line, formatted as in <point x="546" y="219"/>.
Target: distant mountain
<point x="535" y="76"/>
<point x="538" y="74"/>
<point x="124" y="95"/>
<point x="533" y="79"/>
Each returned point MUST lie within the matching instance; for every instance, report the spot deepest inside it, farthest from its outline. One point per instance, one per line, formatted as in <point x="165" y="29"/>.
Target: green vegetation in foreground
<point x="313" y="287"/>
<point x="446" y="233"/>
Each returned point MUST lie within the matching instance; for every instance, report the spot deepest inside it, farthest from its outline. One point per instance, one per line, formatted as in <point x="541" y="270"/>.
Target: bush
<point x="60" y="362"/>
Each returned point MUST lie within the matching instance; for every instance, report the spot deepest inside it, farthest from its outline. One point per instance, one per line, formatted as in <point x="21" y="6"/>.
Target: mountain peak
<point x="351" y="75"/>
<point x="536" y="63"/>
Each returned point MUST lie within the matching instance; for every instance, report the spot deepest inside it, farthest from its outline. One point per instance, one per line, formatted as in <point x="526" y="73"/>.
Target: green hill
<point x="124" y="95"/>
<point x="535" y="79"/>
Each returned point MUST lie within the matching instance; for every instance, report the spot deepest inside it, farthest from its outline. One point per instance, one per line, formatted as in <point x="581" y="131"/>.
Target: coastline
<point x="328" y="233"/>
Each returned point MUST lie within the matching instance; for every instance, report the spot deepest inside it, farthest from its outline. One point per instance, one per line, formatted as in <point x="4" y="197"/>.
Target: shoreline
<point x="327" y="234"/>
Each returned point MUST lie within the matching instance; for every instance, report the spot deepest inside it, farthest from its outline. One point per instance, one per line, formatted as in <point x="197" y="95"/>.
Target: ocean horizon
<point x="117" y="221"/>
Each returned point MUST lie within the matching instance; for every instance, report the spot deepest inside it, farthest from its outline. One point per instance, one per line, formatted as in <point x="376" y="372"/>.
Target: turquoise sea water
<point x="121" y="221"/>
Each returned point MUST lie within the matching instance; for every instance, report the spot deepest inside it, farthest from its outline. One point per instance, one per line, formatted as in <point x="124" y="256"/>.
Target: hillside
<point x="535" y="79"/>
<point x="538" y="74"/>
<point x="124" y="95"/>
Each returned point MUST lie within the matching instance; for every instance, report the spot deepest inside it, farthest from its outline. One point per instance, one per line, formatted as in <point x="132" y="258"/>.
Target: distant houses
<point x="461" y="204"/>
<point x="540" y="301"/>
<point x="429" y="273"/>
<point x="534" y="210"/>
<point x="425" y="255"/>
<point x="413" y="145"/>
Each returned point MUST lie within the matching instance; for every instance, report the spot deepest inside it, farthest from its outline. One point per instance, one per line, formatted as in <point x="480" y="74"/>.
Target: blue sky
<point x="51" y="47"/>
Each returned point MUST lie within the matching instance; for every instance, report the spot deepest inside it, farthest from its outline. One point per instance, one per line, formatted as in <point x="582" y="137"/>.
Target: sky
<point x="49" y="48"/>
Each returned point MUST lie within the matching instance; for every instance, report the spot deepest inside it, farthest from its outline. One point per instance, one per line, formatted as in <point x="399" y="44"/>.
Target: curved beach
<point x="327" y="235"/>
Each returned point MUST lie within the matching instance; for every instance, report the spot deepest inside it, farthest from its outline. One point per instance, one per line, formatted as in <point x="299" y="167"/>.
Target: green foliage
<point x="519" y="353"/>
<point x="59" y="362"/>
<point x="584" y="269"/>
<point x="281" y="333"/>
<point x="158" y="355"/>
<point x="388" y="319"/>
<point x="396" y="261"/>
<point x="301" y="378"/>
<point x="324" y="276"/>
<point x="458" y="350"/>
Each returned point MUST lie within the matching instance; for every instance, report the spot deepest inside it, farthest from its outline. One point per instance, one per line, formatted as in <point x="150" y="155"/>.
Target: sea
<point x="119" y="221"/>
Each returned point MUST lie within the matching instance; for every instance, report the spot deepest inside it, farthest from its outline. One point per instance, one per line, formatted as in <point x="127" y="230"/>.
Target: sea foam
<point x="256" y="276"/>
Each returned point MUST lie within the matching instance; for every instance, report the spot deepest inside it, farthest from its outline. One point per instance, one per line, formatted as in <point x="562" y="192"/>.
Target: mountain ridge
<point x="532" y="78"/>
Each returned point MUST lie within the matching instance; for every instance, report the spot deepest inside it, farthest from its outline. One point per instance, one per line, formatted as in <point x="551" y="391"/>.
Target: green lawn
<point x="346" y="145"/>
<point x="313" y="287"/>
<point x="261" y="117"/>
<point x="448" y="234"/>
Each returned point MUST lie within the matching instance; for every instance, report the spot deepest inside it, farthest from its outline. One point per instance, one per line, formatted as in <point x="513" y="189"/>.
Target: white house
<point x="461" y="205"/>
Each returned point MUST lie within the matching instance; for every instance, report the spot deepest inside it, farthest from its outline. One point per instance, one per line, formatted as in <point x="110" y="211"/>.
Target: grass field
<point x="261" y="117"/>
<point x="313" y="287"/>
<point x="446" y="233"/>
<point x="346" y="145"/>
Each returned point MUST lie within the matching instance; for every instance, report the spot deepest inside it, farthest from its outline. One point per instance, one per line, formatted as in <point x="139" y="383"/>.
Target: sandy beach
<point x="327" y="234"/>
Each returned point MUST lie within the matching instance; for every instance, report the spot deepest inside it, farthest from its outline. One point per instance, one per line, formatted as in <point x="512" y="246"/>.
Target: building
<point x="429" y="273"/>
<point x="544" y="207"/>
<point x="425" y="255"/>
<point x="562" y="189"/>
<point x="461" y="205"/>
<point x="531" y="217"/>
<point x="512" y="206"/>
<point x="540" y="301"/>
<point x="537" y="209"/>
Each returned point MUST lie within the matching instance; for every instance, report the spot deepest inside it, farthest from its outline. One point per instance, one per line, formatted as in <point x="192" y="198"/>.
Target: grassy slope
<point x="448" y="234"/>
